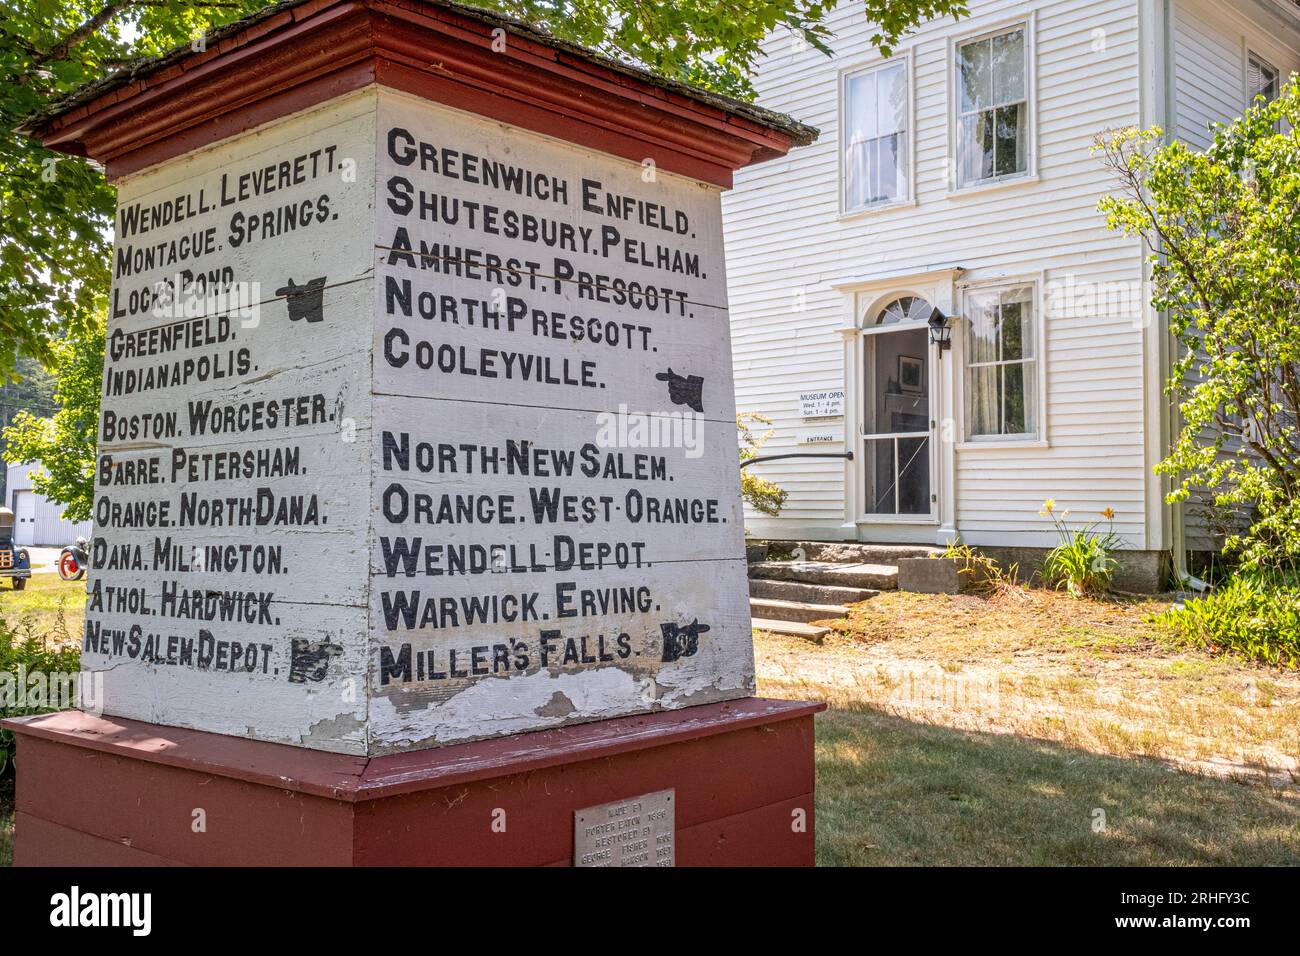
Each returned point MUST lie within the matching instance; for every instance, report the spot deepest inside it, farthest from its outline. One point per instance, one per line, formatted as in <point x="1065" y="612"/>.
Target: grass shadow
<point x="891" y="792"/>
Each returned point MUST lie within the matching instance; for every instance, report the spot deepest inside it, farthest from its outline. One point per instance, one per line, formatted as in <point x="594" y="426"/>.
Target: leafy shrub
<point x="1254" y="615"/>
<point x="979" y="573"/>
<point x="1084" y="561"/>
<point x="1225" y="242"/>
<point x="764" y="496"/>
<point x="23" y="652"/>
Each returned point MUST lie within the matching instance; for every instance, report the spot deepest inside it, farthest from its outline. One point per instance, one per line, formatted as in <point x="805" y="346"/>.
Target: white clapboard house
<point x="957" y="175"/>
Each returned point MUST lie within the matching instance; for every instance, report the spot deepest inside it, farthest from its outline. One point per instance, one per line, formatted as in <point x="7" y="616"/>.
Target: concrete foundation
<point x="929" y="575"/>
<point x="1139" y="572"/>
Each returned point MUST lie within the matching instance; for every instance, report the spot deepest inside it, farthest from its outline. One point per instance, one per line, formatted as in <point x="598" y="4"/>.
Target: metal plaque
<point x="637" y="832"/>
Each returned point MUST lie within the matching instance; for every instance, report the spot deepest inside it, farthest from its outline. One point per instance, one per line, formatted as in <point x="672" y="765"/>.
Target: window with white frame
<point x="1002" y="365"/>
<point x="992" y="124"/>
<point x="1262" y="79"/>
<point x="875" y="136"/>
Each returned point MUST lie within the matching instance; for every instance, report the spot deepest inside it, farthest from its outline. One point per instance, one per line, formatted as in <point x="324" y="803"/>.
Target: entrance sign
<point x="819" y="436"/>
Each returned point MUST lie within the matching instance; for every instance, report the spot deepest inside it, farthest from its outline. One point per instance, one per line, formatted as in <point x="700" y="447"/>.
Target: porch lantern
<point x="940" y="330"/>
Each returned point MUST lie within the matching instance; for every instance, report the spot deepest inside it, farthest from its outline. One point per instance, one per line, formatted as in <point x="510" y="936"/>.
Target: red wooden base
<point x="95" y="791"/>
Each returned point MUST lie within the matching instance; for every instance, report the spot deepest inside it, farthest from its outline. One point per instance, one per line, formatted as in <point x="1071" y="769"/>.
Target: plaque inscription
<point x="637" y="832"/>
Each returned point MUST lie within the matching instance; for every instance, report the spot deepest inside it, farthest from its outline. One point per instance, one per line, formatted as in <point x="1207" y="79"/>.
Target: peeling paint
<point x="335" y="728"/>
<point x="557" y="706"/>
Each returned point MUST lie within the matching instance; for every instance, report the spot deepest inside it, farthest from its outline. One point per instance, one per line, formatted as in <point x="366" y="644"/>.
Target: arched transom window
<point x="906" y="308"/>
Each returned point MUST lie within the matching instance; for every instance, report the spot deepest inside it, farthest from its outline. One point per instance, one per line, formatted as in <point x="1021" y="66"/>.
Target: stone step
<point x="773" y="610"/>
<point x="790" y="628"/>
<point x="808" y="593"/>
<point x="851" y="552"/>
<point x="879" y="577"/>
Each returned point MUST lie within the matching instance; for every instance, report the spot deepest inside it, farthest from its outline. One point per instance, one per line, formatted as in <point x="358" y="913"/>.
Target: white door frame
<point x="864" y="296"/>
<point x="861" y="439"/>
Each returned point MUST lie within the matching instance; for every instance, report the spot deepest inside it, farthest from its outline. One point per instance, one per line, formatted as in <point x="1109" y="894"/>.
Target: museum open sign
<point x="824" y="404"/>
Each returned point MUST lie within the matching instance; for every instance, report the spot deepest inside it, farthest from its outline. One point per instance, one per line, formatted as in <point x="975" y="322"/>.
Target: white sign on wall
<point x="828" y="403"/>
<point x="819" y="436"/>
<point x="463" y="461"/>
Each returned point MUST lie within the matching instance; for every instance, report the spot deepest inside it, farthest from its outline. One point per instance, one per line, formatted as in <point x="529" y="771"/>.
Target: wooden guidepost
<point x="418" y="532"/>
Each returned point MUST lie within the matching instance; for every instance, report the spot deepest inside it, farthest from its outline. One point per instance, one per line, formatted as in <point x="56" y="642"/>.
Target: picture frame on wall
<point x="911" y="374"/>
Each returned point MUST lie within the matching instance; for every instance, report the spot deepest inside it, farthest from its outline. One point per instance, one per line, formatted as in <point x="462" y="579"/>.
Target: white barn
<point x="957" y="175"/>
<point x="37" y="520"/>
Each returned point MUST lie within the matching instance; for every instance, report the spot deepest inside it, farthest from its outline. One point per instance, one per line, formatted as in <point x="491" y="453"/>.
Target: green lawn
<point x="48" y="605"/>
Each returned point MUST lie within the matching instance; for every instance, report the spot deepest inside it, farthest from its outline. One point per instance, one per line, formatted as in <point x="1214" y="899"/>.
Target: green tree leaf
<point x="64" y="443"/>
<point x="1223" y="226"/>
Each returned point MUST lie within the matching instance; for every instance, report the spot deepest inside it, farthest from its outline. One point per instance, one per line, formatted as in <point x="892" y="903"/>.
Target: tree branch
<point x="61" y="49"/>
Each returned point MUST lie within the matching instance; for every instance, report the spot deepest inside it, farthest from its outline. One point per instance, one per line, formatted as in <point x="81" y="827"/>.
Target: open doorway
<point x="897" y="429"/>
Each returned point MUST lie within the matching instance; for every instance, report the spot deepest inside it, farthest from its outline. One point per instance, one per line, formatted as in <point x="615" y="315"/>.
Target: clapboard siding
<point x="786" y="242"/>
<point x="785" y="238"/>
<point x="1211" y="40"/>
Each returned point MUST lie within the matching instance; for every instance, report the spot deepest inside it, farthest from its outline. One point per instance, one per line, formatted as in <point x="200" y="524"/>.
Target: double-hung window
<point x="875" y="136"/>
<point x="1002" y="363"/>
<point x="993" y="107"/>
<point x="1262" y="79"/>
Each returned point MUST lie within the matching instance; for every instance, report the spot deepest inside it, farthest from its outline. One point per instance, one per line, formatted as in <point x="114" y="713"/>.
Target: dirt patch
<point x="1087" y="673"/>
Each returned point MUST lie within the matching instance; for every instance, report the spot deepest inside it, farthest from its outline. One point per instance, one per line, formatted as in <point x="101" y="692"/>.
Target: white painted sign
<point x="454" y="457"/>
<point x="819" y="436"/>
<point x="228" y="588"/>
<point x="824" y="404"/>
